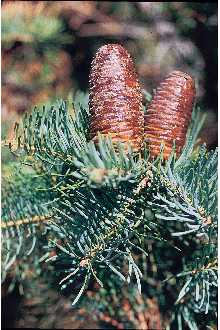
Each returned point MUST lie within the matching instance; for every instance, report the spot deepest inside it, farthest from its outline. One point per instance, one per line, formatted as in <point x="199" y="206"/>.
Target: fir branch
<point x="22" y="210"/>
<point x="190" y="193"/>
<point x="98" y="197"/>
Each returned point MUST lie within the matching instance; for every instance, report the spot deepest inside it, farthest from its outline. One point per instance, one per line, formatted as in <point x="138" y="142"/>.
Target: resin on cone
<point x="115" y="98"/>
<point x="169" y="114"/>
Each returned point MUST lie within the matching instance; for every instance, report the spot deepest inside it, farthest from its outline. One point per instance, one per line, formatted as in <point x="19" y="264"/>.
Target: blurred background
<point x="47" y="49"/>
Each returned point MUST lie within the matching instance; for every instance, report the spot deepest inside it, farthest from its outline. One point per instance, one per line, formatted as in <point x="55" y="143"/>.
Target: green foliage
<point x="188" y="202"/>
<point x="23" y="205"/>
<point x="108" y="207"/>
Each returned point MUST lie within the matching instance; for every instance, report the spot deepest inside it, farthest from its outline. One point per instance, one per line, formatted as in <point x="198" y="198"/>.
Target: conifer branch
<point x="102" y="205"/>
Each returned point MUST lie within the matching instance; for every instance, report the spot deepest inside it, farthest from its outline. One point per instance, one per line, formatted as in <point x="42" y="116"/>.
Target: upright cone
<point x="169" y="114"/>
<point x="115" y="98"/>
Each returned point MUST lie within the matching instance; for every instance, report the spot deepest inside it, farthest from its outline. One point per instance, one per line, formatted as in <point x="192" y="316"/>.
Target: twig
<point x="17" y="223"/>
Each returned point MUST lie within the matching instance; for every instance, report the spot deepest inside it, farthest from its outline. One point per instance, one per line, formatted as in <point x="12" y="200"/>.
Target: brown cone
<point x="169" y="114"/>
<point x="115" y="99"/>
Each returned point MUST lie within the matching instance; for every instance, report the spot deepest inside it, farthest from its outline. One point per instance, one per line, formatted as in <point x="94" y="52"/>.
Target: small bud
<point x="115" y="98"/>
<point x="169" y="114"/>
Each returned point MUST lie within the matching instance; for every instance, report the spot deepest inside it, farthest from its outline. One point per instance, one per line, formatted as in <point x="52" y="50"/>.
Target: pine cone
<point x="115" y="98"/>
<point x="169" y="114"/>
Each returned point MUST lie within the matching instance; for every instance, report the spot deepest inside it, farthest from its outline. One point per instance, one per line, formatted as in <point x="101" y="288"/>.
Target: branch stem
<point x="17" y="223"/>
